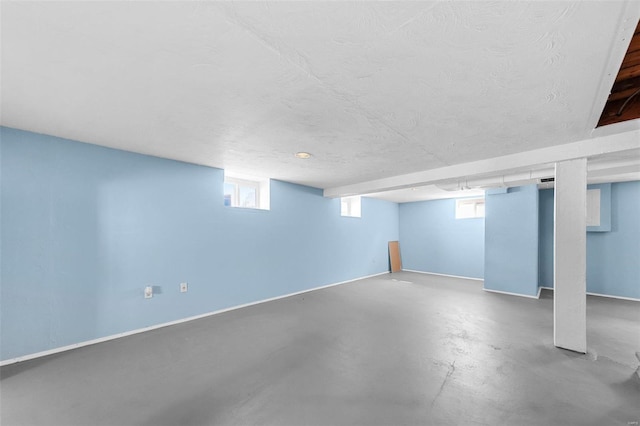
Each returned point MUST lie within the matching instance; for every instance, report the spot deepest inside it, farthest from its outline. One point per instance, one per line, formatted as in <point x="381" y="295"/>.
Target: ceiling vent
<point x="545" y="180"/>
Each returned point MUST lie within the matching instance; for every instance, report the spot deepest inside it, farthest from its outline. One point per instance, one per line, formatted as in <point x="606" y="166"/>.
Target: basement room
<point x="320" y="213"/>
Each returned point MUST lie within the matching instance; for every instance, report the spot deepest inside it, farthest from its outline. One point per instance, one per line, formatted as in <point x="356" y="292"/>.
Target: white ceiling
<point x="372" y="89"/>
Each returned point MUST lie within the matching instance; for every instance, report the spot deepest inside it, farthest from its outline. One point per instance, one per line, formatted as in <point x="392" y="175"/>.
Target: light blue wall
<point x="545" y="248"/>
<point x="613" y="258"/>
<point x="85" y="228"/>
<point x="433" y="240"/>
<point x="511" y="241"/>
<point x="546" y="216"/>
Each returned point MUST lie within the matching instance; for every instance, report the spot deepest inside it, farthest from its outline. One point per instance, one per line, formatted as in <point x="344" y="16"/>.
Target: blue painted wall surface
<point x="613" y="258"/>
<point x="546" y="215"/>
<point x="545" y="248"/>
<point x="86" y="228"/>
<point x="433" y="240"/>
<point x="511" y="241"/>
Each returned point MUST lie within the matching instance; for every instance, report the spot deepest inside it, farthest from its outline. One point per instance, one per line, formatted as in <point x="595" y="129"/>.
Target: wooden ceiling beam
<point x="628" y="73"/>
<point x="623" y="102"/>
<point x="624" y="89"/>
<point x="623" y="94"/>
<point x="630" y="112"/>
<point x="631" y="59"/>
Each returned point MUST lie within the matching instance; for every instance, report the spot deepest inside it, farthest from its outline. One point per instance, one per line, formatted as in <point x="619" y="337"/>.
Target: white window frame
<point x="351" y="206"/>
<point x="260" y="185"/>
<point x="478" y="212"/>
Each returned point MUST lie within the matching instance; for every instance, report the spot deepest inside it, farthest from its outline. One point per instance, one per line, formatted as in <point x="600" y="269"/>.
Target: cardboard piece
<point x="394" y="256"/>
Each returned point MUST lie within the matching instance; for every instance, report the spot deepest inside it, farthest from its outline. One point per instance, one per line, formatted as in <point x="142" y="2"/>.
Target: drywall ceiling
<point x="371" y="89"/>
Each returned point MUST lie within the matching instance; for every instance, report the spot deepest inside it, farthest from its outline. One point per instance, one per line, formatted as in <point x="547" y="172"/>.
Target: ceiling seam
<point x="414" y="18"/>
<point x="255" y="33"/>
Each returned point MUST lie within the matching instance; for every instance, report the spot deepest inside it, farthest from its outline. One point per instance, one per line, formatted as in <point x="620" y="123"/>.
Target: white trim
<point x="443" y="275"/>
<point x="513" y="294"/>
<point x="167" y="324"/>
<point x="613" y="297"/>
<point x="610" y="296"/>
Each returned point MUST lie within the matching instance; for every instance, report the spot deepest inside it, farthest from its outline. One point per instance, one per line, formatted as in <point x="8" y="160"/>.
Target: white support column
<point x="570" y="256"/>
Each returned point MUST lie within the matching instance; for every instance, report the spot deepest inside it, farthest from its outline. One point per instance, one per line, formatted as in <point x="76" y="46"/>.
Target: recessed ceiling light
<point x="303" y="155"/>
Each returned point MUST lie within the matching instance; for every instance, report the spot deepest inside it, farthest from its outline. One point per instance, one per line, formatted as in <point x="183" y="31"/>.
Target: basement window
<point x="247" y="192"/>
<point x="350" y="206"/>
<point x="469" y="208"/>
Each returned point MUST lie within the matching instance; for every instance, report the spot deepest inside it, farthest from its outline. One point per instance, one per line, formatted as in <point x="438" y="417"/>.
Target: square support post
<point x="570" y="256"/>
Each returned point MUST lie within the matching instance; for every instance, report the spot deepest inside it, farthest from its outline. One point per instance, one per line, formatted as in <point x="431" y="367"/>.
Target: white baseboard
<point x="613" y="297"/>
<point x="443" y="275"/>
<point x="167" y="324"/>
<point x="529" y="296"/>
<point x="610" y="296"/>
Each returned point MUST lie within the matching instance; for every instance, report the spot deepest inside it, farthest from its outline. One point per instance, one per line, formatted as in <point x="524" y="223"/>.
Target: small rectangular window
<point x="350" y="206"/>
<point x="469" y="208"/>
<point x="246" y="192"/>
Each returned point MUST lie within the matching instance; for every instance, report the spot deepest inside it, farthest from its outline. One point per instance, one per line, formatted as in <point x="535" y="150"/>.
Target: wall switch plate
<point x="183" y="287"/>
<point x="148" y="292"/>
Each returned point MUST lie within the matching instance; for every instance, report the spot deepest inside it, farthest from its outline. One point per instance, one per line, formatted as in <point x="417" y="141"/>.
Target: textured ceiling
<point x="371" y="89"/>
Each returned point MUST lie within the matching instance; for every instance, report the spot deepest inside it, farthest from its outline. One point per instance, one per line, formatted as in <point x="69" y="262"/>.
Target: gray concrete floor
<point x="401" y="349"/>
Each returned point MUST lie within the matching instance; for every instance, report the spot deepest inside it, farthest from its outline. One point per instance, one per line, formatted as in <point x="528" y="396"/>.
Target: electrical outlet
<point x="148" y="292"/>
<point x="183" y="287"/>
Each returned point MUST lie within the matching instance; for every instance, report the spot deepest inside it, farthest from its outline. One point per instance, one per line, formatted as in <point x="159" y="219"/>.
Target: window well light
<point x="303" y="155"/>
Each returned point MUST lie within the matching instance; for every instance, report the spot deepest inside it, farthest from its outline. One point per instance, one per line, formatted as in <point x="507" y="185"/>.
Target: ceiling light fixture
<point x="303" y="155"/>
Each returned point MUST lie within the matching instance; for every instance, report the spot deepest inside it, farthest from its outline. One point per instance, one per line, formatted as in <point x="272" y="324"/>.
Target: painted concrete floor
<point x="401" y="349"/>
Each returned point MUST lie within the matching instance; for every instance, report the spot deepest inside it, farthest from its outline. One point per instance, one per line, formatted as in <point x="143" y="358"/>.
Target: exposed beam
<point x="582" y="149"/>
<point x="617" y="52"/>
<point x="622" y="109"/>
